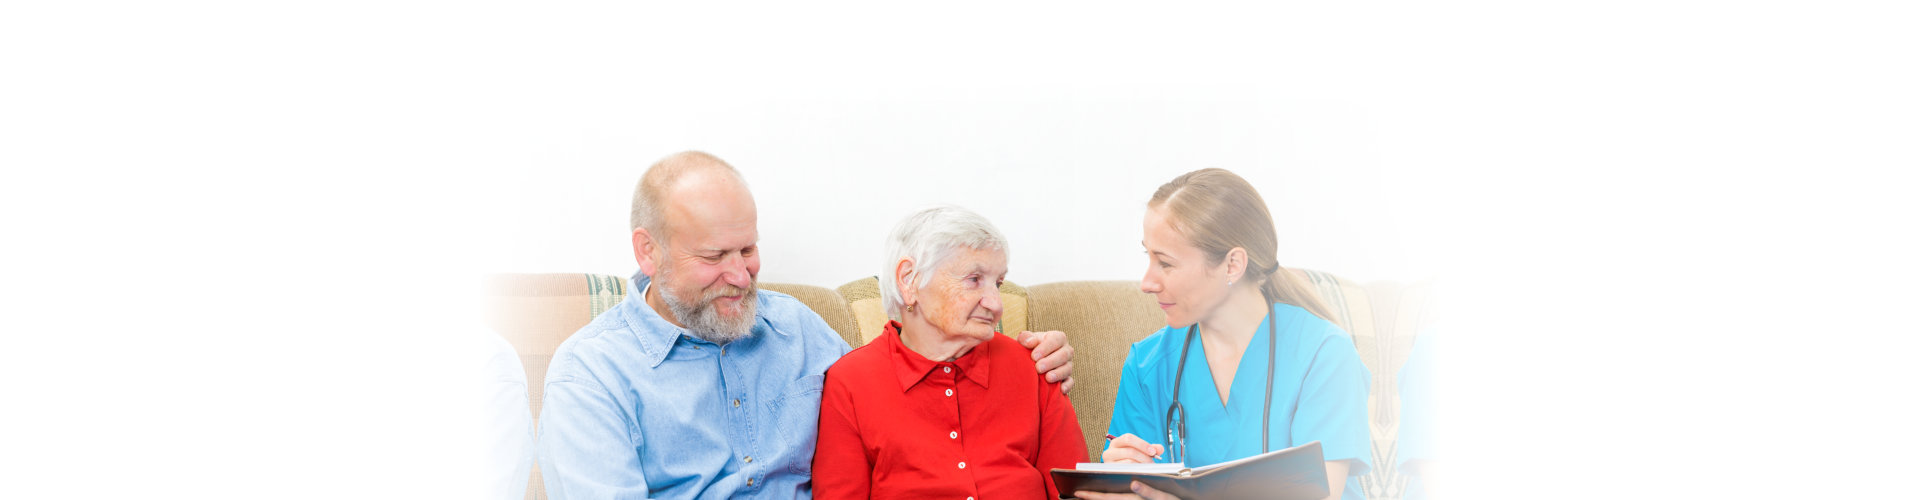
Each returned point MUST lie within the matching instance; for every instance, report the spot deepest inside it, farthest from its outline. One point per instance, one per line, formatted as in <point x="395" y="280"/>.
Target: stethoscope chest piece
<point x="1176" y="420"/>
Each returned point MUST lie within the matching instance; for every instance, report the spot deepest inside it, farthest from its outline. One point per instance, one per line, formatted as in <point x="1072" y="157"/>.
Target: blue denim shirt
<point x="636" y="407"/>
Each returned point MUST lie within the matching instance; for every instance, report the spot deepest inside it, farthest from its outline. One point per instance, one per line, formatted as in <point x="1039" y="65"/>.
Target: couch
<point x="535" y="312"/>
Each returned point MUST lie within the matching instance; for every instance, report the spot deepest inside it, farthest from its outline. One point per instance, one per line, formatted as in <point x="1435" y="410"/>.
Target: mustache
<point x="727" y="291"/>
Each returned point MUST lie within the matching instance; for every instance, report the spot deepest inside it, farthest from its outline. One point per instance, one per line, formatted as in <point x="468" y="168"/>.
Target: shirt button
<point x="946" y="369"/>
<point x="949" y="393"/>
<point x="953" y="435"/>
<point x="963" y="465"/>
<point x="749" y="458"/>
<point x="736" y="403"/>
<point x="749" y="481"/>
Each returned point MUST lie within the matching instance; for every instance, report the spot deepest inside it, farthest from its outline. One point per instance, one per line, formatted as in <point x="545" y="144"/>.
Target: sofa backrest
<point x="1102" y="320"/>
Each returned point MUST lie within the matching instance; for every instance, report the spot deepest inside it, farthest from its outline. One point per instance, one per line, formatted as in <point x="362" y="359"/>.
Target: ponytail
<point x="1285" y="287"/>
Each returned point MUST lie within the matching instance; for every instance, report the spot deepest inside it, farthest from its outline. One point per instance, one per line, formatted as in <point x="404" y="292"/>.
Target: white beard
<point x="703" y="320"/>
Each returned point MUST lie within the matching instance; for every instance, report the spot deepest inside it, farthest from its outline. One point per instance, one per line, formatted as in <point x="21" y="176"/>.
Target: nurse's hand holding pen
<point x="1132" y="449"/>
<point x="1129" y="448"/>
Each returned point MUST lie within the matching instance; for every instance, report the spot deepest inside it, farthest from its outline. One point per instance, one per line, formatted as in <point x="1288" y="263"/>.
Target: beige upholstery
<point x="825" y="302"/>
<point x="1102" y="319"/>
<point x="535" y="312"/>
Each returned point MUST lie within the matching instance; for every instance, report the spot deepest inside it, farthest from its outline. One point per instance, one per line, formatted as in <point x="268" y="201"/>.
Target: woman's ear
<point x="903" y="281"/>
<point x="1236" y="264"/>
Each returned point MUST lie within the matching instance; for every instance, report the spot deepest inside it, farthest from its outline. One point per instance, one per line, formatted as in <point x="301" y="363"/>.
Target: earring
<point x="1229" y="282"/>
<point x="909" y="307"/>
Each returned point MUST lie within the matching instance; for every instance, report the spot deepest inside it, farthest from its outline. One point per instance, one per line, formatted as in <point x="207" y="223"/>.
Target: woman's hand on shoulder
<point x="1140" y="491"/>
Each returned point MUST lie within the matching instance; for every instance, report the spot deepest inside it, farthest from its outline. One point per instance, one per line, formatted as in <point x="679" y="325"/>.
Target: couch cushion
<point x="1398" y="316"/>
<point x="824" y="302"/>
<point x="1102" y="319"/>
<point x="535" y="313"/>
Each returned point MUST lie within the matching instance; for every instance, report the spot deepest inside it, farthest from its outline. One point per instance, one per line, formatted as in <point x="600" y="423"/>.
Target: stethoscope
<point x="1180" y="371"/>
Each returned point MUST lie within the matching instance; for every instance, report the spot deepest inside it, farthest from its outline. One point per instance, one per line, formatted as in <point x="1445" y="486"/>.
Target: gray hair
<point x="649" y="195"/>
<point x="928" y="238"/>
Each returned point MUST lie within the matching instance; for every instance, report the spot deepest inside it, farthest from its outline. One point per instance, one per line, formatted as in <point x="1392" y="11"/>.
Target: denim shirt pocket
<point x="796" y="416"/>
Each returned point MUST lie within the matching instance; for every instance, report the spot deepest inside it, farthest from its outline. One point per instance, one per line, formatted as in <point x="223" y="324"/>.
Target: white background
<point x="1056" y="123"/>
<point x="1066" y="177"/>
<point x="1674" y="238"/>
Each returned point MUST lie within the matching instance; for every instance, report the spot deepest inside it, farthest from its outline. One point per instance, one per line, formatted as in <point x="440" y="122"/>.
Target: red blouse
<point x="894" y="424"/>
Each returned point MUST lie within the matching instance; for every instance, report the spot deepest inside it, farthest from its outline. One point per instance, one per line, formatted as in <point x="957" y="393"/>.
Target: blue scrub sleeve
<point x="1133" y="411"/>
<point x="1333" y="405"/>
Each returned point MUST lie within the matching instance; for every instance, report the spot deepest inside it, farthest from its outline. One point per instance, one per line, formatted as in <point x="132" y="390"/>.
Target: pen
<point x="1111" y="437"/>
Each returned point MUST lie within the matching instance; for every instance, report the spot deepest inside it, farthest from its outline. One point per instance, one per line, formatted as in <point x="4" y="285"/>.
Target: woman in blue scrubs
<point x="1248" y="347"/>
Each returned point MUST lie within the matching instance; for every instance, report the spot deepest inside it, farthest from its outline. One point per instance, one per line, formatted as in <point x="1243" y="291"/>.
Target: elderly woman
<point x="941" y="405"/>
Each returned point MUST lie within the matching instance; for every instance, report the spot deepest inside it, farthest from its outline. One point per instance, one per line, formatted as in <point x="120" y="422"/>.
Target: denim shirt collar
<point x="658" y="337"/>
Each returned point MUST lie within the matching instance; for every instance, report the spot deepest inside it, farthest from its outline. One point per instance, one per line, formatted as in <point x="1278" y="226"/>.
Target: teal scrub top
<point x="1319" y="394"/>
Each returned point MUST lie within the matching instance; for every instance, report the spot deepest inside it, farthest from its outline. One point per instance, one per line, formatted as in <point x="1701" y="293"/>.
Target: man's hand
<point x="1054" y="356"/>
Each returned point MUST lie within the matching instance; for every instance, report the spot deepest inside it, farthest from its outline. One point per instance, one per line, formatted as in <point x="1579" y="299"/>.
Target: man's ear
<point x="643" y="249"/>
<point x="903" y="282"/>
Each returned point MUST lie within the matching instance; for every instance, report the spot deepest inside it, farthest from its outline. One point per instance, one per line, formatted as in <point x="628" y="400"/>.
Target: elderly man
<point x="698" y="385"/>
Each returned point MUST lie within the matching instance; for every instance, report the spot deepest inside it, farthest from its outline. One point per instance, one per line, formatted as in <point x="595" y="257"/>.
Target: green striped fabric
<point x="1382" y="354"/>
<point x="604" y="292"/>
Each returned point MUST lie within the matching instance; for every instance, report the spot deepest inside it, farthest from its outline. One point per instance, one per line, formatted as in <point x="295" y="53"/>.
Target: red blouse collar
<point x="911" y="367"/>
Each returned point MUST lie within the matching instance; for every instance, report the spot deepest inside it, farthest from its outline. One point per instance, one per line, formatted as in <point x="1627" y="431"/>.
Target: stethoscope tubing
<point x="1180" y="371"/>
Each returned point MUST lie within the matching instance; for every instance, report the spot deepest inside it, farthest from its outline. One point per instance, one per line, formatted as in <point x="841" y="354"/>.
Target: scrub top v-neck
<point x="1319" y="394"/>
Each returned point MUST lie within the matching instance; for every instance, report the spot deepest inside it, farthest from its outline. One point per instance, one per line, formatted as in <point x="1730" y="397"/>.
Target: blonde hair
<point x="1218" y="211"/>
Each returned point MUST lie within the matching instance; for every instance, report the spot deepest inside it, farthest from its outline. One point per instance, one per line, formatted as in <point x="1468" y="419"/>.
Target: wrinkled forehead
<point x="962" y="260"/>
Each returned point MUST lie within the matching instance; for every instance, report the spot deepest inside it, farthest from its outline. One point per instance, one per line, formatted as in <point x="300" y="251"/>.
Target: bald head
<point x="673" y="180"/>
<point x="695" y="233"/>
